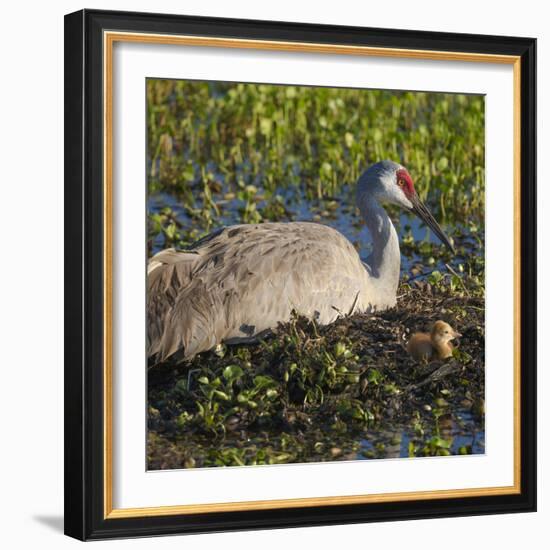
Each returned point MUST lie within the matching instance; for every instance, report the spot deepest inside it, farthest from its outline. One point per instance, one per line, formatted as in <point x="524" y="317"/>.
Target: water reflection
<point x="463" y="435"/>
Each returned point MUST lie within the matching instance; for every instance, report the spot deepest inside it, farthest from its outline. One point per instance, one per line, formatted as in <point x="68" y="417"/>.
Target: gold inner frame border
<point x="109" y="39"/>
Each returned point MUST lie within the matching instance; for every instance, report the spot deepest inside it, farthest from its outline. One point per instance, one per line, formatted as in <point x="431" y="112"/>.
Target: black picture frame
<point x="84" y="282"/>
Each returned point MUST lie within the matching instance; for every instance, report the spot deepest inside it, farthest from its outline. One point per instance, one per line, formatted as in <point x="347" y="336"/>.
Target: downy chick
<point x="436" y="344"/>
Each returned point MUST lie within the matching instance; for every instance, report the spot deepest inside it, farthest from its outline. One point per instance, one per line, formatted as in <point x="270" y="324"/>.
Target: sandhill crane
<point x="239" y="282"/>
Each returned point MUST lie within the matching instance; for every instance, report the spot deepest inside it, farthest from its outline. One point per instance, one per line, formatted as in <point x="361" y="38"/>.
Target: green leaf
<point x="440" y="442"/>
<point x="266" y="125"/>
<point x="262" y="382"/>
<point x="442" y="164"/>
<point x="374" y="376"/>
<point x="232" y="372"/>
<point x="221" y="395"/>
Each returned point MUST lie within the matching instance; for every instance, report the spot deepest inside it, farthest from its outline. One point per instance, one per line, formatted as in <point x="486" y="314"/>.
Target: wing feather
<point x="243" y="280"/>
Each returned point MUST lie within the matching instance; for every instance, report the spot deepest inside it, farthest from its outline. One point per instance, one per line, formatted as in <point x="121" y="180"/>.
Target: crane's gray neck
<point x="385" y="260"/>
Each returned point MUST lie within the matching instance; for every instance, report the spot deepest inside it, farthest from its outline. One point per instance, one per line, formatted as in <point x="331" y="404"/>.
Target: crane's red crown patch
<point x="405" y="181"/>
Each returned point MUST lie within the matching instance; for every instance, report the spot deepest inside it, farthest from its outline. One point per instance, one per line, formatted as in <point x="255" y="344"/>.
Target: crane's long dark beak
<point x="425" y="215"/>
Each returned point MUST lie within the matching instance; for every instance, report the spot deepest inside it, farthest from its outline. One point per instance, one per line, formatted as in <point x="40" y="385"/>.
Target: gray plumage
<point x="241" y="281"/>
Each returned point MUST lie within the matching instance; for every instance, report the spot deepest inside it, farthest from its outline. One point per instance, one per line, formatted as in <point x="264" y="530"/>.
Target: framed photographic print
<point x="300" y="274"/>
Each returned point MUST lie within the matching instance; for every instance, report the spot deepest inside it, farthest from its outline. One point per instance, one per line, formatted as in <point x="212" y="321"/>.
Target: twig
<point x="354" y="304"/>
<point x="435" y="376"/>
<point x="191" y="371"/>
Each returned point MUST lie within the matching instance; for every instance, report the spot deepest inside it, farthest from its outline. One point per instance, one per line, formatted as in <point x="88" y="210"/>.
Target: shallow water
<point x="466" y="431"/>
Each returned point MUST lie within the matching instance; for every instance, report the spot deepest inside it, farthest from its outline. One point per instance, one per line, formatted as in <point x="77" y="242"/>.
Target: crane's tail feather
<point x="168" y="272"/>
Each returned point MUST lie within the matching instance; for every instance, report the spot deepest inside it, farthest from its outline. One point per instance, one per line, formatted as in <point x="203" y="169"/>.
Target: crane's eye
<point x="401" y="182"/>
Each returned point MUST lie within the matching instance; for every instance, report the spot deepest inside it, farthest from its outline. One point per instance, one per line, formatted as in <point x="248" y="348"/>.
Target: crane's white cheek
<point x="399" y="198"/>
<point x="407" y="203"/>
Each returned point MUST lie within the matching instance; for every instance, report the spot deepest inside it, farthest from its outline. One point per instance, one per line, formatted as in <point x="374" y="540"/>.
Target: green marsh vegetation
<point x="220" y="154"/>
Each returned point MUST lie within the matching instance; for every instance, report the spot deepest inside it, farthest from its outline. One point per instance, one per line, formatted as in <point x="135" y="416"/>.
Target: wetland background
<point x="225" y="153"/>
